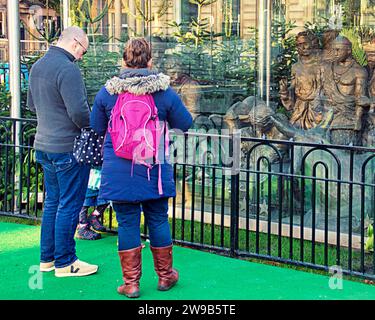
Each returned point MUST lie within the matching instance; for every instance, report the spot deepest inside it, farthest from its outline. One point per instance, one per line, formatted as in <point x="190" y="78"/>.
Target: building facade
<point x="34" y="16"/>
<point x="237" y="15"/>
<point x="218" y="52"/>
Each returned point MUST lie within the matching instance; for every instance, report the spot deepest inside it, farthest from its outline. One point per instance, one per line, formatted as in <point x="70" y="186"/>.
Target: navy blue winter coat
<point x="117" y="183"/>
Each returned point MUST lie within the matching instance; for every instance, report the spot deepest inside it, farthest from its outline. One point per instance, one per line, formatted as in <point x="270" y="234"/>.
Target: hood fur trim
<point x="138" y="85"/>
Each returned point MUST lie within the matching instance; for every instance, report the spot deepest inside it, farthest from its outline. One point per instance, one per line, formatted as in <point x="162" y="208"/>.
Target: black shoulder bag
<point x="88" y="147"/>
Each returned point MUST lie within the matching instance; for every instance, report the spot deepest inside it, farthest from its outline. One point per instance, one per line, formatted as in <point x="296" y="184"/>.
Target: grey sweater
<point x="58" y="95"/>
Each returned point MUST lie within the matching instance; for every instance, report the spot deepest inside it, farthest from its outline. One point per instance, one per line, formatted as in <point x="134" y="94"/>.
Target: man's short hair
<point x="71" y="33"/>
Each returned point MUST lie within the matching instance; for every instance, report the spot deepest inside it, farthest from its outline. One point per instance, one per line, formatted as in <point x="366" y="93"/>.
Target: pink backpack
<point x="135" y="131"/>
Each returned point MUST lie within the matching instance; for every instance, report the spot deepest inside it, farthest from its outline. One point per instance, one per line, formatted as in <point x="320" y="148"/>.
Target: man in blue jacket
<point x="58" y="96"/>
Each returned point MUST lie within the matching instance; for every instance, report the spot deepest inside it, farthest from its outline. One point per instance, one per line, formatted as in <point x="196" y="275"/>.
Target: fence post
<point x="66" y="14"/>
<point x="235" y="150"/>
<point x="14" y="65"/>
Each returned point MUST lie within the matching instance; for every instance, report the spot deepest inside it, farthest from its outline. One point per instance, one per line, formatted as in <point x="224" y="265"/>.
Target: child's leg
<point x="99" y="209"/>
<point x="83" y="216"/>
<point x="97" y="214"/>
<point x="84" y="232"/>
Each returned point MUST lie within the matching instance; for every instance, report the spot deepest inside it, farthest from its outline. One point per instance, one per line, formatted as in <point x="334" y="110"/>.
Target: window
<point x="322" y="10"/>
<point x="236" y="17"/>
<point x="2" y="25"/>
<point x="232" y="12"/>
<point x="188" y="11"/>
<point x="124" y="20"/>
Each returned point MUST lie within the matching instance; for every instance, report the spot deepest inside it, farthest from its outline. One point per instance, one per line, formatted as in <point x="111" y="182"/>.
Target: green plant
<point x="358" y="52"/>
<point x="350" y="10"/>
<point x="32" y="178"/>
<point x="6" y="165"/>
<point x="228" y="18"/>
<point x="366" y="33"/>
<point x="18" y="168"/>
<point x="199" y="30"/>
<point x="197" y="33"/>
<point x="82" y="15"/>
<point x="53" y="4"/>
<point x="235" y="60"/>
<point x="4" y="100"/>
<point x="369" y="245"/>
<point x="284" y="55"/>
<point x="196" y="45"/>
<point x="99" y="64"/>
<point x="317" y="29"/>
<point x="145" y="13"/>
<point x="285" y="46"/>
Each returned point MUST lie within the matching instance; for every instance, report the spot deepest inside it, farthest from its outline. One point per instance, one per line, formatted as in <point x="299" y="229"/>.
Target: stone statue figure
<point x="345" y="90"/>
<point x="369" y="133"/>
<point x="253" y="118"/>
<point x="303" y="97"/>
<point x="370" y="54"/>
<point x="327" y="38"/>
<point x="187" y="88"/>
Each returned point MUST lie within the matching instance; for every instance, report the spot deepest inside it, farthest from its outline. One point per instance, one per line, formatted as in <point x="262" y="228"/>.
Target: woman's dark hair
<point x="137" y="53"/>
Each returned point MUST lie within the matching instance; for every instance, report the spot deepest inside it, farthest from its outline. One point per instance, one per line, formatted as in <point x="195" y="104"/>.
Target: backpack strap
<point x="160" y="184"/>
<point x="166" y="146"/>
<point x="166" y="135"/>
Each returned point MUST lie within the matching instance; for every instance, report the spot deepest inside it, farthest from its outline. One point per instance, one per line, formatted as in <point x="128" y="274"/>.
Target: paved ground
<point x="203" y="275"/>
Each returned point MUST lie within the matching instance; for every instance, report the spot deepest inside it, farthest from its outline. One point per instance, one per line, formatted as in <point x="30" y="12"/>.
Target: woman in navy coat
<point x="128" y="185"/>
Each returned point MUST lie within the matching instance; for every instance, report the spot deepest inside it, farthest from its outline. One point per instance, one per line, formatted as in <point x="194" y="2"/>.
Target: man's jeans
<point x="65" y="182"/>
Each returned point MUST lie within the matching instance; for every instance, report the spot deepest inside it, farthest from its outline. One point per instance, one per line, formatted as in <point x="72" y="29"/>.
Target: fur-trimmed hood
<point x="138" y="82"/>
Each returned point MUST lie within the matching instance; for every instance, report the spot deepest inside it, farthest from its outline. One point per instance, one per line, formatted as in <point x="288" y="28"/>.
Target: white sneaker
<point x="76" y="269"/>
<point x="47" y="266"/>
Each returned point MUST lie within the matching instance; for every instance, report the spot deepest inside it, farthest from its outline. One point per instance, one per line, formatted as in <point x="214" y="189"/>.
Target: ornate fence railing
<point x="306" y="204"/>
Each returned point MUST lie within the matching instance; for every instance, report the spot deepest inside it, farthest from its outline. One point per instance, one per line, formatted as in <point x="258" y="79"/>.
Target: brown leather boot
<point x="131" y="265"/>
<point x="163" y="267"/>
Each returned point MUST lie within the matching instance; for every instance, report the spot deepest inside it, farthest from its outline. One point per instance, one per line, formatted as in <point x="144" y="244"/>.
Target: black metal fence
<point x="299" y="203"/>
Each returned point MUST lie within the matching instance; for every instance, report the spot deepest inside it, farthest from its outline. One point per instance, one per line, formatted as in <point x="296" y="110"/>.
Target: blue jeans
<point x="65" y="182"/>
<point x="128" y="216"/>
<point x="92" y="199"/>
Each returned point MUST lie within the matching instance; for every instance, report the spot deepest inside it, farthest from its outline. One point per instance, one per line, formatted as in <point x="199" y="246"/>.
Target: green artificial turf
<point x="203" y="276"/>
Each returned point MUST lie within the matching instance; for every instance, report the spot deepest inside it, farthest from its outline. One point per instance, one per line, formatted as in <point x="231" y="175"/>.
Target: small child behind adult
<point x="90" y="225"/>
